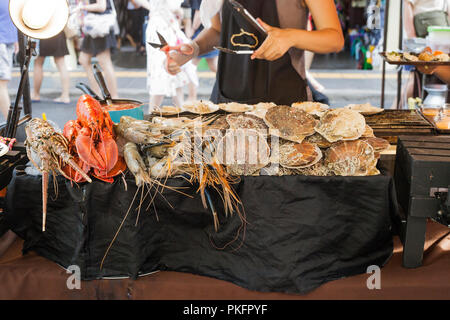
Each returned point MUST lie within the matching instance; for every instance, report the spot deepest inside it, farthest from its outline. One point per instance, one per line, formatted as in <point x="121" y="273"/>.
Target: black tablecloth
<point x="300" y="232"/>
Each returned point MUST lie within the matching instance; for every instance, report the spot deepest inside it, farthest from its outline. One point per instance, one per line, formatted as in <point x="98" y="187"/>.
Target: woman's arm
<point x="409" y="19"/>
<point x="209" y="38"/>
<point x="99" y="6"/>
<point x="327" y="38"/>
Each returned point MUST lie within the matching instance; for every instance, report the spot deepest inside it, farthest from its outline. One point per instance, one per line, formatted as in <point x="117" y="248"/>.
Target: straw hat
<point x="39" y="19"/>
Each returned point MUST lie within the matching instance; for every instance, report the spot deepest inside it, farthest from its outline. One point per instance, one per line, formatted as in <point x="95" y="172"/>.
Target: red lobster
<point x="91" y="142"/>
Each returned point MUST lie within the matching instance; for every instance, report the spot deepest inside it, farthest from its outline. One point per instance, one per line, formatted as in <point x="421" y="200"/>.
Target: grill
<point x="392" y="123"/>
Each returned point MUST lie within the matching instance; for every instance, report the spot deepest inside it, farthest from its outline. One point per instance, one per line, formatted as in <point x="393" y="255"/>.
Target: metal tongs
<point x="225" y="50"/>
<point x="247" y="16"/>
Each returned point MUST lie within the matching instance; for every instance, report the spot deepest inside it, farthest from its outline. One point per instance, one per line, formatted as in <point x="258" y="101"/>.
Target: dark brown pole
<point x="400" y="46"/>
<point x="383" y="78"/>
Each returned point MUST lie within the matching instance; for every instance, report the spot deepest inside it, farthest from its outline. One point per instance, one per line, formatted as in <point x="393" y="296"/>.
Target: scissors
<point x="164" y="46"/>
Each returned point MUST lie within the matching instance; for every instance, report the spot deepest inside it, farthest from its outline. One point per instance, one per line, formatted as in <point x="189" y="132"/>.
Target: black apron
<point x="243" y="80"/>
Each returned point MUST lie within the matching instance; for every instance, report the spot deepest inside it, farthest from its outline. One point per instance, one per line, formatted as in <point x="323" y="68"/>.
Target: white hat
<point x="39" y="19"/>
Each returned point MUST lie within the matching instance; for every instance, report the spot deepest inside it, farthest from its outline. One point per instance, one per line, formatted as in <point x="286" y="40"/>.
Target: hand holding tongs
<point x="164" y="46"/>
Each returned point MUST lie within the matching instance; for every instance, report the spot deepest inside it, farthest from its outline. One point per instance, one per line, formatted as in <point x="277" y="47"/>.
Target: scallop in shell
<point x="261" y="108"/>
<point x="233" y="107"/>
<point x="290" y="123"/>
<point x="368" y="133"/>
<point x="243" y="152"/>
<point x="299" y="155"/>
<point x="245" y="121"/>
<point x="351" y="158"/>
<point x="341" y="124"/>
<point x="319" y="169"/>
<point x="319" y="140"/>
<point x="378" y="144"/>
<point x="315" y="108"/>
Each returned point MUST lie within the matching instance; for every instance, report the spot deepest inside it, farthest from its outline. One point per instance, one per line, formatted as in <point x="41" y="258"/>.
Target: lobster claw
<point x="108" y="176"/>
<point x="73" y="174"/>
<point x="101" y="155"/>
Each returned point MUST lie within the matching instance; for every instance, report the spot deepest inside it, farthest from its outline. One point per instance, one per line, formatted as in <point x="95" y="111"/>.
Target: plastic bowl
<point x="137" y="113"/>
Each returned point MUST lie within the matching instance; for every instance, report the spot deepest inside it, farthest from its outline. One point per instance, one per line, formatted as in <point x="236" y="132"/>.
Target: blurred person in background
<point x="163" y="19"/>
<point x="55" y="47"/>
<point x="8" y="46"/>
<point x="101" y="48"/>
<point x="136" y="17"/>
<point x="418" y="16"/>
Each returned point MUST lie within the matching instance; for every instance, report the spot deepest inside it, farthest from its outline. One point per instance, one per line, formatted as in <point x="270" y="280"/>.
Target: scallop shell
<point x="233" y="107"/>
<point x="341" y="124"/>
<point x="319" y="169"/>
<point x="219" y="124"/>
<point x="261" y="108"/>
<point x="378" y="144"/>
<point x="290" y="123"/>
<point x="299" y="155"/>
<point x="321" y="142"/>
<point x="167" y="110"/>
<point x="365" y="109"/>
<point x="245" y="121"/>
<point x="243" y="152"/>
<point x="351" y="158"/>
<point x="368" y="133"/>
<point x="315" y="108"/>
<point x="200" y="107"/>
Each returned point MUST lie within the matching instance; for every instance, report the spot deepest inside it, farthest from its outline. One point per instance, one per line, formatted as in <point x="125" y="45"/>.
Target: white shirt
<point x="421" y="6"/>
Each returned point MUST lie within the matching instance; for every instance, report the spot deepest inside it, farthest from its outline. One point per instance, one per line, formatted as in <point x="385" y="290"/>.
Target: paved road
<point x="342" y="87"/>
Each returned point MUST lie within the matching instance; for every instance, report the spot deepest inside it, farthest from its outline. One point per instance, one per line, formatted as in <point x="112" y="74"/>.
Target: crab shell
<point x="341" y="124"/>
<point x="314" y="108"/>
<point x="299" y="155"/>
<point x="245" y="121"/>
<point x="290" y="123"/>
<point x="249" y="150"/>
<point x="351" y="158"/>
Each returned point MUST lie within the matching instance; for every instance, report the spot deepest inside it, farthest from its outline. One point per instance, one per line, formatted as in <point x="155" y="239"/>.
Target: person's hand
<point x="277" y="43"/>
<point x="427" y="69"/>
<point x="177" y="59"/>
<point x="16" y="47"/>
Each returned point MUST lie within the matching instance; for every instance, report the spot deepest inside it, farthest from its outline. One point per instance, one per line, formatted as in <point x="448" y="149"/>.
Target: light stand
<point x="15" y="110"/>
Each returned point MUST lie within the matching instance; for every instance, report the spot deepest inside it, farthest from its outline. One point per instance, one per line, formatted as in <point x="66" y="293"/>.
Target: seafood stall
<point x="127" y="199"/>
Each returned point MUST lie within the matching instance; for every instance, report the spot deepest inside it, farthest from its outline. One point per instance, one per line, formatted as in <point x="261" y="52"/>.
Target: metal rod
<point x="11" y="126"/>
<point x="383" y="78"/>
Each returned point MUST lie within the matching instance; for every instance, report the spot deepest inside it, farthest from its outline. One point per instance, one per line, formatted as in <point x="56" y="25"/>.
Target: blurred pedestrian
<point x="101" y="48"/>
<point x="8" y="46"/>
<point x="55" y="47"/>
<point x="163" y="20"/>
<point x="418" y="16"/>
<point x="136" y="17"/>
